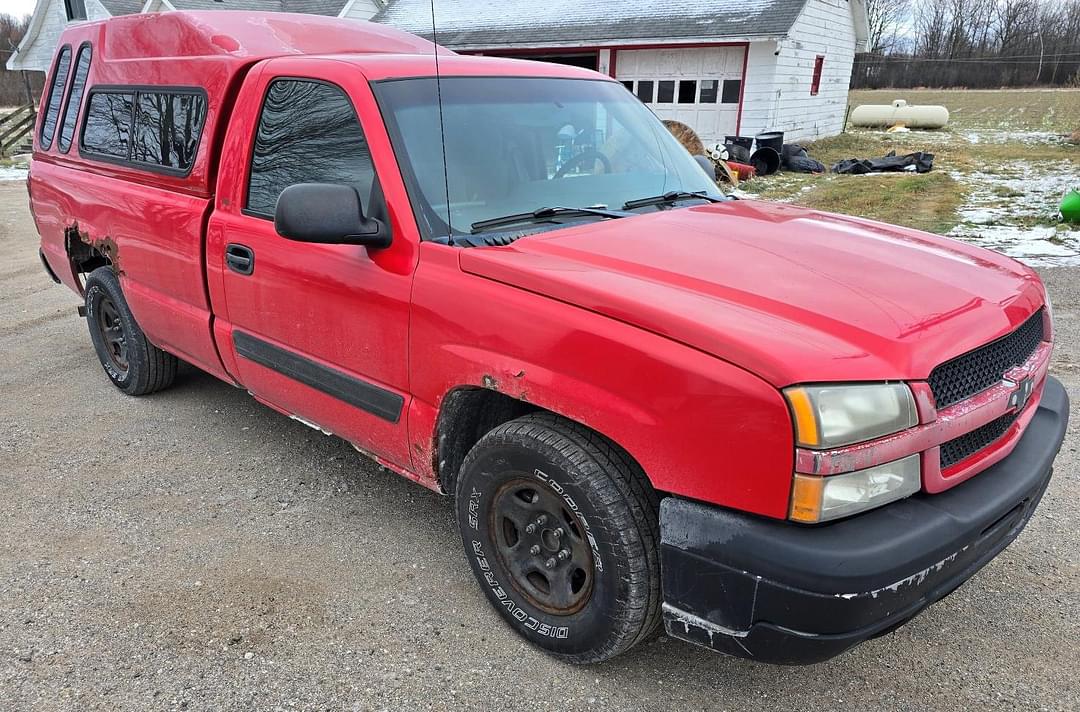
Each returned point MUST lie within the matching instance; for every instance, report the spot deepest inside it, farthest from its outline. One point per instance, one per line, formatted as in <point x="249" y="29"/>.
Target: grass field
<point x="1000" y="169"/>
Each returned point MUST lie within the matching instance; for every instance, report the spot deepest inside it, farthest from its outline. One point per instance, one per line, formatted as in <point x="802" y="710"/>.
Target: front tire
<point x="561" y="529"/>
<point x="132" y="363"/>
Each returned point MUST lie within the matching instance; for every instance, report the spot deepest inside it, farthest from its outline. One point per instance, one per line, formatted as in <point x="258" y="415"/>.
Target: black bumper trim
<point x="789" y="594"/>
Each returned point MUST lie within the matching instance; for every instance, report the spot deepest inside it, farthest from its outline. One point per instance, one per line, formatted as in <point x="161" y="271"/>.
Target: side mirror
<point x="327" y="213"/>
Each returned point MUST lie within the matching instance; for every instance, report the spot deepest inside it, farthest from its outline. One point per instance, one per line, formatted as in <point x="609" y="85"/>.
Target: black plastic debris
<point x="765" y="161"/>
<point x="795" y="158"/>
<point x="921" y="162"/>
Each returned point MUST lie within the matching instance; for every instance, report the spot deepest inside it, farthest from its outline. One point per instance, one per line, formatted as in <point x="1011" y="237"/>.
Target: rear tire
<point x="132" y="363"/>
<point x="561" y="529"/>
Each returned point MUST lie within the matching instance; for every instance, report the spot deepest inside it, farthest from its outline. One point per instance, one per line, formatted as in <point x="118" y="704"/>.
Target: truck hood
<point x="790" y="294"/>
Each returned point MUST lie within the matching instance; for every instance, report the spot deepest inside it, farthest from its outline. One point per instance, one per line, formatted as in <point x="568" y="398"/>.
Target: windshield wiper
<point x="545" y="214"/>
<point x="671" y="197"/>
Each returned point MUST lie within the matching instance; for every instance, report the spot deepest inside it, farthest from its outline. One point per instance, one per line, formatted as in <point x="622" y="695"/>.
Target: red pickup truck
<point x="776" y="431"/>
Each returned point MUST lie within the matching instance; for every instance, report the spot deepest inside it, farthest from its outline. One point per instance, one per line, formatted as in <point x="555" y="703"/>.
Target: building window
<point x="75" y="96"/>
<point x="308" y="133"/>
<point x="815" y="84"/>
<point x="56" y="95"/>
<point x="629" y="86"/>
<point x="688" y="92"/>
<point x="732" y="91"/>
<point x="75" y="9"/>
<point x="665" y="92"/>
<point x="167" y="129"/>
<point x="645" y="91"/>
<point x="710" y="89"/>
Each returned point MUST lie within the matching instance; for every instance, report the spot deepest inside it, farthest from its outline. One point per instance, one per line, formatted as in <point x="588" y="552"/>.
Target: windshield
<point x="515" y="145"/>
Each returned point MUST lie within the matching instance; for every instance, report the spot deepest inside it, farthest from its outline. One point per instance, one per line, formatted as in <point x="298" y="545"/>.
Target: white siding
<point x="38" y="53"/>
<point x="360" y="9"/>
<point x="825" y="28"/>
<point x="760" y="97"/>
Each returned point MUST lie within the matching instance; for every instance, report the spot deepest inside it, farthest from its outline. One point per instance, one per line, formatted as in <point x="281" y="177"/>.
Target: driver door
<point x="317" y="331"/>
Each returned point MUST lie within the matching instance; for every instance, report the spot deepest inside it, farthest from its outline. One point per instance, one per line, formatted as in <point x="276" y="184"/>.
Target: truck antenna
<point x="442" y="125"/>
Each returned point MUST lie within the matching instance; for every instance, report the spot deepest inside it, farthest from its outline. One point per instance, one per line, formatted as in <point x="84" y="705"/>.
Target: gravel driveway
<point x="196" y="550"/>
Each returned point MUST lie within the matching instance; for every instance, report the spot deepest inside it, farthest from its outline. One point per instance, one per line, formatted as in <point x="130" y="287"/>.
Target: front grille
<point x="958" y="449"/>
<point x="977" y="370"/>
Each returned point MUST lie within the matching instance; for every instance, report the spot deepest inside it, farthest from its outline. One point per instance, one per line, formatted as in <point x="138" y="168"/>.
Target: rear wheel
<point x="132" y="363"/>
<point x="560" y="527"/>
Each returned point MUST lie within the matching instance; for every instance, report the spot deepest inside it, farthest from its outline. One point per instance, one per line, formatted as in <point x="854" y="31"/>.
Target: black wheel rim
<point x="113" y="334"/>
<point x="540" y="543"/>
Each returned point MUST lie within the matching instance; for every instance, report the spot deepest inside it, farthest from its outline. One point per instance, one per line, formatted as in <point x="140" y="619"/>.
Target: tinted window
<point x="74" y="101"/>
<point x="56" y="95"/>
<point x="308" y="133"/>
<point x="167" y="129"/>
<point x="732" y="90"/>
<point x="107" y="129"/>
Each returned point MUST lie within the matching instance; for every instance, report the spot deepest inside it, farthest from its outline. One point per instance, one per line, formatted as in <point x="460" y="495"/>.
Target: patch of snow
<point x="1001" y="207"/>
<point x="12" y="173"/>
<point x="1030" y="138"/>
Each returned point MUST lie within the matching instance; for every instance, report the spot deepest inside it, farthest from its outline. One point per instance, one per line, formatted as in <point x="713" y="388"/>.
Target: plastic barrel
<point x="745" y="141"/>
<point x="771" y="139"/>
<point x="766" y="160"/>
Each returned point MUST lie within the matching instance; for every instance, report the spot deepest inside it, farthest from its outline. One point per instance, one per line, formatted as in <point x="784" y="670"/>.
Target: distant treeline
<point x="976" y="44"/>
<point x="13" y="84"/>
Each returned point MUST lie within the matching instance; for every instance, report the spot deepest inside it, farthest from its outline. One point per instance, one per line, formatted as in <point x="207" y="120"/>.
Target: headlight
<point x="834" y="416"/>
<point x="819" y="499"/>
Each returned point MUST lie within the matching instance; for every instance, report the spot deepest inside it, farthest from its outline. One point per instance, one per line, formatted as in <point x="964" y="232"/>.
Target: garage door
<point x="699" y="87"/>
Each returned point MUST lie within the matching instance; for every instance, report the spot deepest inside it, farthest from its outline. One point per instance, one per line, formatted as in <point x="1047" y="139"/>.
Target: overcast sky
<point x="18" y="8"/>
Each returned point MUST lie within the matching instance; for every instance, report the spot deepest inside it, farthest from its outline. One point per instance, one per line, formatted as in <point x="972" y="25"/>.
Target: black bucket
<point x="744" y="141"/>
<point x="771" y="139"/>
<point x="765" y="161"/>
<point x="737" y="152"/>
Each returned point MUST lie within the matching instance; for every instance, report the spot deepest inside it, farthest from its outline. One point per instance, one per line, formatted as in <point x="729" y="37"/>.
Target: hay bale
<point x="686" y="136"/>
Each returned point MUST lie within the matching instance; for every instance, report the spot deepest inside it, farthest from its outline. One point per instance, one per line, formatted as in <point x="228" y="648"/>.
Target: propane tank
<point x="900" y="113"/>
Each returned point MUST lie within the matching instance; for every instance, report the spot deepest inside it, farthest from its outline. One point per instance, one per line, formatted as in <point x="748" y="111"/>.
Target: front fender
<point x="699" y="427"/>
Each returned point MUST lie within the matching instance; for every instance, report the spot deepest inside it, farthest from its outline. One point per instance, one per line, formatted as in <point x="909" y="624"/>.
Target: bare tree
<point x="886" y="18"/>
<point x="975" y="43"/>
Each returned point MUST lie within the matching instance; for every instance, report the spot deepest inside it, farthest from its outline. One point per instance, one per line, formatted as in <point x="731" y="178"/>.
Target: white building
<point x="50" y="17"/>
<point x="724" y="67"/>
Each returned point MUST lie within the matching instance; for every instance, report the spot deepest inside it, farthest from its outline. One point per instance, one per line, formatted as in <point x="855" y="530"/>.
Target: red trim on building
<point x="742" y="88"/>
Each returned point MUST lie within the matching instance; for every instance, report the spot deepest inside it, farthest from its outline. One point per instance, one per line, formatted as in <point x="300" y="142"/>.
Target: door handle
<point x="240" y="259"/>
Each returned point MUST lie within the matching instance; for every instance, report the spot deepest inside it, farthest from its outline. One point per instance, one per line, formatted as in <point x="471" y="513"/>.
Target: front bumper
<point x="789" y="594"/>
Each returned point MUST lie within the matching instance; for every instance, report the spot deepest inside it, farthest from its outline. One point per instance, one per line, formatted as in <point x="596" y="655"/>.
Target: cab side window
<point x="308" y="132"/>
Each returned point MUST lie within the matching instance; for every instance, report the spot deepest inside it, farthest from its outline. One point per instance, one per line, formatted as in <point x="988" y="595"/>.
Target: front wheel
<point x="560" y="527"/>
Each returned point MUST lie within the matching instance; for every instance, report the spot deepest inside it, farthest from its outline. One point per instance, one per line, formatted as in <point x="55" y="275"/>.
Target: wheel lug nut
<point x="541" y="520"/>
<point x="550" y="563"/>
<point x="534" y="549"/>
<point x="564" y="555"/>
<point x="530" y="529"/>
<point x="558" y="533"/>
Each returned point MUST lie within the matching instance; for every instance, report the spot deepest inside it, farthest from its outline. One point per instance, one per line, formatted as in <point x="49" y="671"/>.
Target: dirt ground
<point x="195" y="550"/>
